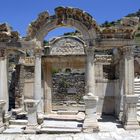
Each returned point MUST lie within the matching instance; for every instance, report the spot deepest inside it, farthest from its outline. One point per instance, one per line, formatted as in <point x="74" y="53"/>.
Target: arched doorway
<point x="69" y="17"/>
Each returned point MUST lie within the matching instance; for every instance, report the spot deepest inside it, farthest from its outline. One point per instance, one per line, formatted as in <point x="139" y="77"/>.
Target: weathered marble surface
<point x="121" y="135"/>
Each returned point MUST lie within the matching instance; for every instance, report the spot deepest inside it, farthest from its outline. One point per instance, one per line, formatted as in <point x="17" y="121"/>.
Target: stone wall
<point x="68" y="87"/>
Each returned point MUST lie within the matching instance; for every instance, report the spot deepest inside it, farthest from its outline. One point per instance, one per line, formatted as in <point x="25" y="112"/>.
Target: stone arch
<point x="64" y="16"/>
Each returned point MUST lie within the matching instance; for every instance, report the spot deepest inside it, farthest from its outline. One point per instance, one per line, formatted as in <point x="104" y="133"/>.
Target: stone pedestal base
<point x="90" y="125"/>
<point x="31" y="107"/>
<point x="90" y="122"/>
<point x="132" y="125"/>
<point x="130" y="112"/>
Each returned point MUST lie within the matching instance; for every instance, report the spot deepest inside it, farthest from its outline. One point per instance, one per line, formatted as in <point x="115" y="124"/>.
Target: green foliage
<point x="137" y="35"/>
<point x="55" y="70"/>
<point x="45" y="42"/>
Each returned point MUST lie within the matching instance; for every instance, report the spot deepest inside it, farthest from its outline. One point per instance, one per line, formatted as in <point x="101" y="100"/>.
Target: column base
<point x="32" y="129"/>
<point x="90" y="125"/>
<point x="40" y="118"/>
<point x="131" y="125"/>
<point x="2" y="128"/>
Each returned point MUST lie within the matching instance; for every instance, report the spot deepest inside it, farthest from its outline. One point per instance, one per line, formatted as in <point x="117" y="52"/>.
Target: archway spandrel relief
<point x="64" y="16"/>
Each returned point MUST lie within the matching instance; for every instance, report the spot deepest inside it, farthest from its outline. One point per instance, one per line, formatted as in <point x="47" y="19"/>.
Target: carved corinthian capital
<point x="3" y="53"/>
<point x="128" y="51"/>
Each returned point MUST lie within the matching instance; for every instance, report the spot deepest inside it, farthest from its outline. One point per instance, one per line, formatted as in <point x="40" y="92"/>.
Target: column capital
<point x="127" y="50"/>
<point x="37" y="51"/>
<point x="3" y="53"/>
<point x="90" y="50"/>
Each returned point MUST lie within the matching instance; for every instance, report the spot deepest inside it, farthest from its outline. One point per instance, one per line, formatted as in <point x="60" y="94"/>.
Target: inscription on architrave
<point x="29" y="61"/>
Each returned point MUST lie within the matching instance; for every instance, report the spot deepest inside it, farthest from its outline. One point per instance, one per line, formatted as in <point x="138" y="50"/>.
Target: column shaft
<point x="4" y="82"/>
<point x="48" y="88"/>
<point x="90" y="72"/>
<point x="37" y="85"/>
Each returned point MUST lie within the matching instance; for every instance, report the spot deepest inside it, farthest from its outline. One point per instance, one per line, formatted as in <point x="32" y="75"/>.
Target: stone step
<point x="137" y="88"/>
<point x="136" y="80"/>
<point x="136" y="83"/>
<point x="137" y="92"/>
<point x="138" y="108"/>
<point x="79" y="117"/>
<point x="60" y="130"/>
<point x="61" y="124"/>
<point x="138" y="104"/>
<point x="13" y="131"/>
<point x="18" y="122"/>
<point x="61" y="112"/>
<point x="17" y="126"/>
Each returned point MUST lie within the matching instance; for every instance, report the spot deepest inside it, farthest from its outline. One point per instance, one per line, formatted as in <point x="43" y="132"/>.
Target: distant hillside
<point x="113" y="23"/>
<point x="134" y="14"/>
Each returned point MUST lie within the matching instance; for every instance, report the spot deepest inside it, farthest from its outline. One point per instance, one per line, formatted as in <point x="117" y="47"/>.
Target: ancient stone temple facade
<point x="76" y="79"/>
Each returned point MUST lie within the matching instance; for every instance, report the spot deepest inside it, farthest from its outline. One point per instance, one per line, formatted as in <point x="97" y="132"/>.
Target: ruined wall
<point x="68" y="87"/>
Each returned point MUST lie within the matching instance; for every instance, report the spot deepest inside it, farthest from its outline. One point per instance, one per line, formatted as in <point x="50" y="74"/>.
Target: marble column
<point x="4" y="79"/>
<point x="38" y="95"/>
<point x="48" y="88"/>
<point x="31" y="107"/>
<point x="121" y="90"/>
<point x="90" y="122"/>
<point x="99" y="87"/>
<point x="2" y="112"/>
<point x="130" y="99"/>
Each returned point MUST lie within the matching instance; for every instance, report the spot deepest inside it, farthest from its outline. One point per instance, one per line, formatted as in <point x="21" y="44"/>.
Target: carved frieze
<point x="115" y="32"/>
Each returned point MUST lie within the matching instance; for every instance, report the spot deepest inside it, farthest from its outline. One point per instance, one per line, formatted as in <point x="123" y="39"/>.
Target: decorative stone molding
<point x="63" y="13"/>
<point x="118" y="32"/>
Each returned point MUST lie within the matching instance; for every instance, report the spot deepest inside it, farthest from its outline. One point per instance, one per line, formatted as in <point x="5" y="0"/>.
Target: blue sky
<point x="19" y="13"/>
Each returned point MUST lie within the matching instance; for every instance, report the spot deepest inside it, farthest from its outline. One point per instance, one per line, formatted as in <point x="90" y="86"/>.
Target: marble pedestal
<point x="130" y="112"/>
<point x="31" y="107"/>
<point x="2" y="113"/>
<point x="90" y="122"/>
